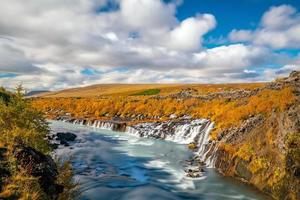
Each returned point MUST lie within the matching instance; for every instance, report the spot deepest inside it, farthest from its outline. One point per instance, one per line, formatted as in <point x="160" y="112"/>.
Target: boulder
<point x="65" y="136"/>
<point x="194" y="172"/>
<point x="64" y="142"/>
<point x="39" y="165"/>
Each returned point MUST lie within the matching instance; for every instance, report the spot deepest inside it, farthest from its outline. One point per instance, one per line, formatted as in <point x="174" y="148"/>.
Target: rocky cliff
<point x="265" y="149"/>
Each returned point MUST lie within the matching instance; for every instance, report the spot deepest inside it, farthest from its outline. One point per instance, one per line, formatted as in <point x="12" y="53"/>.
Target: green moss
<point x="148" y="92"/>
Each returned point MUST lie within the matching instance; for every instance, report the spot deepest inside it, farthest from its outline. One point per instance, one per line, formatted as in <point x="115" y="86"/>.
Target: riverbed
<point x="113" y="165"/>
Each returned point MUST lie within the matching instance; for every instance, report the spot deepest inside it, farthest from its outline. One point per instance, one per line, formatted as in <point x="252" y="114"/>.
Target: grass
<point x="125" y="90"/>
<point x="148" y="92"/>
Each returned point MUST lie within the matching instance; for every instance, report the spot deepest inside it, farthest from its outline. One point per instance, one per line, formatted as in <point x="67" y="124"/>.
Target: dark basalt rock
<point x="65" y="143"/>
<point x="66" y="136"/>
<point x="54" y="145"/>
<point x="39" y="165"/>
<point x="194" y="173"/>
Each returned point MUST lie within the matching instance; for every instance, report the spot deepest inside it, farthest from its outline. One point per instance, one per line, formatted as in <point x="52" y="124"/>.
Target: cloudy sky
<point x="55" y="44"/>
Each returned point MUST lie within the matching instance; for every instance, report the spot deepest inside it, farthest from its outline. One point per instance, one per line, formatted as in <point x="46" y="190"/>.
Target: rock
<point x="236" y="134"/>
<point x="54" y="145"/>
<point x="192" y="146"/>
<point x="65" y="143"/>
<point x="186" y="117"/>
<point x="173" y="116"/>
<point x="194" y="172"/>
<point x="292" y="80"/>
<point x="242" y="171"/>
<point x="65" y="136"/>
<point x="39" y="165"/>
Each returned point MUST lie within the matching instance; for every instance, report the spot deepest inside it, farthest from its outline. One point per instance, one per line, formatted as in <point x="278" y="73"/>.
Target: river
<point x="113" y="165"/>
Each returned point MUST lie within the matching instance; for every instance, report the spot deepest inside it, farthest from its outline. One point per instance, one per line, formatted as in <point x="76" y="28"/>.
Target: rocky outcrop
<point x="265" y="152"/>
<point x="41" y="166"/>
<point x="194" y="167"/>
<point x="292" y="80"/>
<point x="235" y="134"/>
<point x="230" y="95"/>
<point x="185" y="93"/>
<point x="265" y="149"/>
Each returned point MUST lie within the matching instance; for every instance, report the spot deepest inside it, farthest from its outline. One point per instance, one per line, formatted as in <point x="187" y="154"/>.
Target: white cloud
<point x="188" y="35"/>
<point x="271" y="74"/>
<point x="48" y="44"/>
<point x="145" y="14"/>
<point x="241" y="35"/>
<point x="279" y="29"/>
<point x="232" y="57"/>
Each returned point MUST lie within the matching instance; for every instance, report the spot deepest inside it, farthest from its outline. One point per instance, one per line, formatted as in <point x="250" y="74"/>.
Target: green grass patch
<point x="148" y="92"/>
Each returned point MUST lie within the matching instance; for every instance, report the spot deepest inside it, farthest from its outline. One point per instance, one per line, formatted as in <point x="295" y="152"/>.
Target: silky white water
<point x="115" y="165"/>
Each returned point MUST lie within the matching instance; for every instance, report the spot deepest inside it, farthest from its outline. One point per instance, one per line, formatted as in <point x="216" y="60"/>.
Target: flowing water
<point x="113" y="165"/>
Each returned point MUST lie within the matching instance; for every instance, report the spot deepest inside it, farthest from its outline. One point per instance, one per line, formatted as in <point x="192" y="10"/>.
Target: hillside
<point x="134" y="89"/>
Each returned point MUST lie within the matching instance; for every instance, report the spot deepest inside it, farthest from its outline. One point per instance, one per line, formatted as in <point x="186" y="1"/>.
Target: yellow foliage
<point x="276" y="177"/>
<point x="24" y="187"/>
<point x="227" y="147"/>
<point x="66" y="179"/>
<point x="224" y="113"/>
<point x="257" y="164"/>
<point x="245" y="152"/>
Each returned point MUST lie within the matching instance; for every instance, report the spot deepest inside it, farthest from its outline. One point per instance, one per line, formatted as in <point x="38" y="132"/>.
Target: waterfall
<point x="93" y="123"/>
<point x="185" y="131"/>
<point x="102" y="125"/>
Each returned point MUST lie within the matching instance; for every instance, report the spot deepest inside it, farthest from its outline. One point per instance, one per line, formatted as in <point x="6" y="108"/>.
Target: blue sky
<point x="231" y="14"/>
<point x="58" y="44"/>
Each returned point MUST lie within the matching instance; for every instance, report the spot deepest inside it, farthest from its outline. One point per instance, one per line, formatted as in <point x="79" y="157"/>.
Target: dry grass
<point x="131" y="89"/>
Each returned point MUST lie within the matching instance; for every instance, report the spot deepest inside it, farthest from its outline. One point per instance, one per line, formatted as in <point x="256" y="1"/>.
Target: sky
<point x="57" y="44"/>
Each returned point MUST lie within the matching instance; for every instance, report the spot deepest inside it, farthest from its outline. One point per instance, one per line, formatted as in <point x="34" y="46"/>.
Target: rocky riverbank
<point x="265" y="149"/>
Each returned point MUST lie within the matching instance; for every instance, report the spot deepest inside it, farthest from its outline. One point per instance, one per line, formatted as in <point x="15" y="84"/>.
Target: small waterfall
<point x="102" y="125"/>
<point x="132" y="131"/>
<point x="108" y="125"/>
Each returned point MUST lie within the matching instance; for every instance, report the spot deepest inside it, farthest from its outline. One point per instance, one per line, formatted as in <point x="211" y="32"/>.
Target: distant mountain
<point x="36" y="92"/>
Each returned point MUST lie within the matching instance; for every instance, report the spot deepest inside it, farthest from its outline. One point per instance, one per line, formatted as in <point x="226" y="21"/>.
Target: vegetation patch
<point x="148" y="92"/>
<point x="23" y="132"/>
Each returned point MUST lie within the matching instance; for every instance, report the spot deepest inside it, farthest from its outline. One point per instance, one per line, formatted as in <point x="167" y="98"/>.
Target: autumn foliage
<point x="224" y="112"/>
